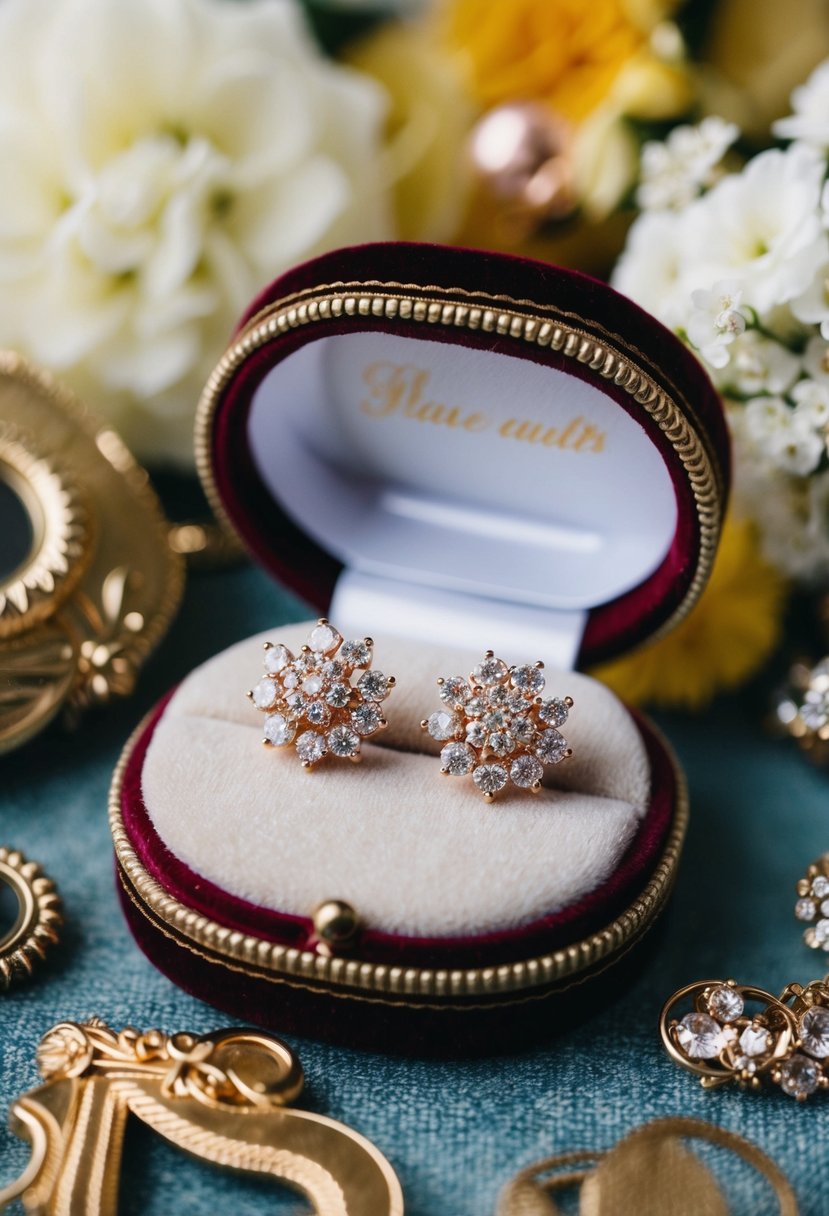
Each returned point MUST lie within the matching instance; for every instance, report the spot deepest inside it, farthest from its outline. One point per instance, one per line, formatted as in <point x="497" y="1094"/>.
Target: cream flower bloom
<point x="810" y="121"/>
<point x="170" y="157"/>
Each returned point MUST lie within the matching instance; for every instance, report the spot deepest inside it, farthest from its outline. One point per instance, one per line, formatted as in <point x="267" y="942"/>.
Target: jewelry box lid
<point x="443" y="441"/>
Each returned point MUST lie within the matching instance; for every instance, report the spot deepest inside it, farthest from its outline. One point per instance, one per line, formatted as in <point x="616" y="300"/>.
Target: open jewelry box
<point x="450" y="451"/>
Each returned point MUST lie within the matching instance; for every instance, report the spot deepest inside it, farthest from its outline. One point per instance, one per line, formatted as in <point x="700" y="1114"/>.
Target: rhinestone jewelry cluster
<point x="311" y="700"/>
<point x="812" y="905"/>
<point x="497" y="726"/>
<point x="785" y="1043"/>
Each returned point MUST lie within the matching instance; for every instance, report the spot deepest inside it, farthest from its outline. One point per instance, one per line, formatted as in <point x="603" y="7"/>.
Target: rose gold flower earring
<point x="497" y="726"/>
<point x="311" y="701"/>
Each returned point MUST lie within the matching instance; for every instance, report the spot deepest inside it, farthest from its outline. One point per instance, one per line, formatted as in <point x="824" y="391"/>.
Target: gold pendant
<point x="224" y="1097"/>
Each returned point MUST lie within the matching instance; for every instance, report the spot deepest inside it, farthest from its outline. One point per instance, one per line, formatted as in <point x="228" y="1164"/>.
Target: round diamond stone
<point x="311" y="747"/>
<point x="312" y="684"/>
<point x="550" y="746"/>
<point x="814" y="1032"/>
<point x="474" y="707"/>
<point x="517" y="703"/>
<point x="356" y="653"/>
<point x="374" y="686"/>
<point x="295" y="704"/>
<point x="725" y="1003"/>
<point x="277" y="657"/>
<point x="279" y="730"/>
<point x="497" y="695"/>
<point x="496" y="719"/>
<point x="553" y="711"/>
<point x="343" y="741"/>
<point x="824" y="907"/>
<point x="490" y="778"/>
<point x="805" y="909"/>
<point x="526" y="771"/>
<point x="290" y="680"/>
<point x="442" y="725"/>
<point x="490" y="671"/>
<point x="523" y="729"/>
<point x="332" y="670"/>
<point x="502" y="743"/>
<point x="476" y="734"/>
<point x="318" y="713"/>
<point x="820" y="886"/>
<point x="323" y="638"/>
<point x="528" y="679"/>
<point x="457" y="759"/>
<point x="755" y="1040"/>
<point x="366" y="718"/>
<point x="699" y="1036"/>
<point x="455" y="692"/>
<point x="822" y="930"/>
<point x="338" y="695"/>
<point x="799" y="1076"/>
<point x="265" y="694"/>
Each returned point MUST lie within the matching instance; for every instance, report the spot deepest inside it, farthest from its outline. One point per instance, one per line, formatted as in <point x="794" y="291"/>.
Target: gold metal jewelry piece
<point x="310" y="700"/>
<point x="812" y="904"/>
<point x="648" y="1173"/>
<point x="785" y="1042"/>
<point x="801" y="710"/>
<point x="224" y="1097"/>
<point x="497" y="726"/>
<point x="38" y="920"/>
<point x="95" y="583"/>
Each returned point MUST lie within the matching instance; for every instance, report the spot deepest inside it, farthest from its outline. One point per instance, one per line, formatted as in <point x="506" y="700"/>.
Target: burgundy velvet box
<point x="447" y="450"/>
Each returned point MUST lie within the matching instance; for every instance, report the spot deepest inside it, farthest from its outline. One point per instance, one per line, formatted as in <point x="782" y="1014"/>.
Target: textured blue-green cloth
<point x="455" y="1132"/>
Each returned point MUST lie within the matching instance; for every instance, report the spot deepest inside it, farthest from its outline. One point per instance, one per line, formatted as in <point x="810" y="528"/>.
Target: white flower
<point x="761" y="365"/>
<point x="766" y="417"/>
<point x="810" y="121"/>
<point x="812" y="404"/>
<point x="716" y="320"/>
<point x="650" y="269"/>
<point x="795" y="447"/>
<point x="812" y="306"/>
<point x="169" y="158"/>
<point x="761" y="226"/>
<point x="674" y="172"/>
<point x="816" y="359"/>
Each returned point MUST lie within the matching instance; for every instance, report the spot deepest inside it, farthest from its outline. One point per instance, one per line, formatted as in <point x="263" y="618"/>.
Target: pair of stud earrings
<point x="495" y="724"/>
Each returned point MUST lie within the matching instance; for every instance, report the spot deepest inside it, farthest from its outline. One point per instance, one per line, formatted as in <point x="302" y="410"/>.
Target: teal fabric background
<point x="455" y="1132"/>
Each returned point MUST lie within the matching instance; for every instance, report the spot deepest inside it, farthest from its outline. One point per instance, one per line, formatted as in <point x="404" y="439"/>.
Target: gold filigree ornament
<point x="38" y="918"/>
<point x="89" y="580"/>
<point x="224" y="1097"/>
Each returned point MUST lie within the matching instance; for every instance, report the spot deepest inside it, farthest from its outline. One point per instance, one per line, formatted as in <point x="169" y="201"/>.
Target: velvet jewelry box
<point x="450" y="451"/>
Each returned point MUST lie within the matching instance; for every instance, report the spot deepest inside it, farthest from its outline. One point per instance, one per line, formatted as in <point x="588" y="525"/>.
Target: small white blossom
<point x="650" y="269"/>
<point x="811" y="400"/>
<point x="716" y="320"/>
<point x="812" y="307"/>
<point x="766" y="417"/>
<point x="676" y="171"/>
<point x="761" y="365"/>
<point x="816" y="359"/>
<point x="795" y="448"/>
<point x="810" y="121"/>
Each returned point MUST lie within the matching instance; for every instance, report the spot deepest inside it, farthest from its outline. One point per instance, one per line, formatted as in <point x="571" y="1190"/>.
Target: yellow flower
<point x="430" y="115"/>
<point x="565" y="52"/>
<point x="733" y="628"/>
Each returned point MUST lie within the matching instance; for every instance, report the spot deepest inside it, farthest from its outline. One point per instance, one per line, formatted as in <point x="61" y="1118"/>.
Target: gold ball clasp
<point x="336" y="923"/>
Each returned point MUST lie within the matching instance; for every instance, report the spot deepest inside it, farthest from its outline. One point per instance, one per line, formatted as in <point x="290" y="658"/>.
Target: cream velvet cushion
<point x="416" y="853"/>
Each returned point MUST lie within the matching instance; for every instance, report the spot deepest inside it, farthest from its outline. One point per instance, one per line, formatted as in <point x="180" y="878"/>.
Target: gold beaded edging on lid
<point x="370" y="981"/>
<point x="546" y="327"/>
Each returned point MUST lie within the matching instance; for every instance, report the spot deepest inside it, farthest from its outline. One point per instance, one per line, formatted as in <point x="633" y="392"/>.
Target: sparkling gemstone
<point x="502" y="743"/>
<point x="490" y="671"/>
<point x="318" y="713"/>
<point x="820" y="886"/>
<point x="550" y="746"/>
<point x="457" y="759"/>
<point x="799" y="1076"/>
<point x="265" y="694"/>
<point x="805" y="909"/>
<point x="517" y="703"/>
<point x="725" y="1003"/>
<point x="497" y="695"/>
<point x="338" y="695"/>
<point x="525" y="771"/>
<point x="755" y="1040"/>
<point x="356" y="653"/>
<point x="824" y="907"/>
<point x="475" y="707"/>
<point x="279" y="730"/>
<point x="277" y="657"/>
<point x="312" y="684"/>
<point x="553" y="711"/>
<point x="295" y="704"/>
<point x="495" y="719"/>
<point x="311" y="747"/>
<point x="343" y="741"/>
<point x="442" y="725"/>
<point x="332" y="670"/>
<point x="523" y="729"/>
<point x="323" y="638"/>
<point x="490" y="778"/>
<point x="699" y="1036"/>
<point x="366" y="718"/>
<point x="528" y="679"/>
<point x="374" y="686"/>
<point x="822" y="930"/>
<point x="814" y="1032"/>
<point x="455" y="692"/>
<point x="290" y="679"/>
<point x="476" y="734"/>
